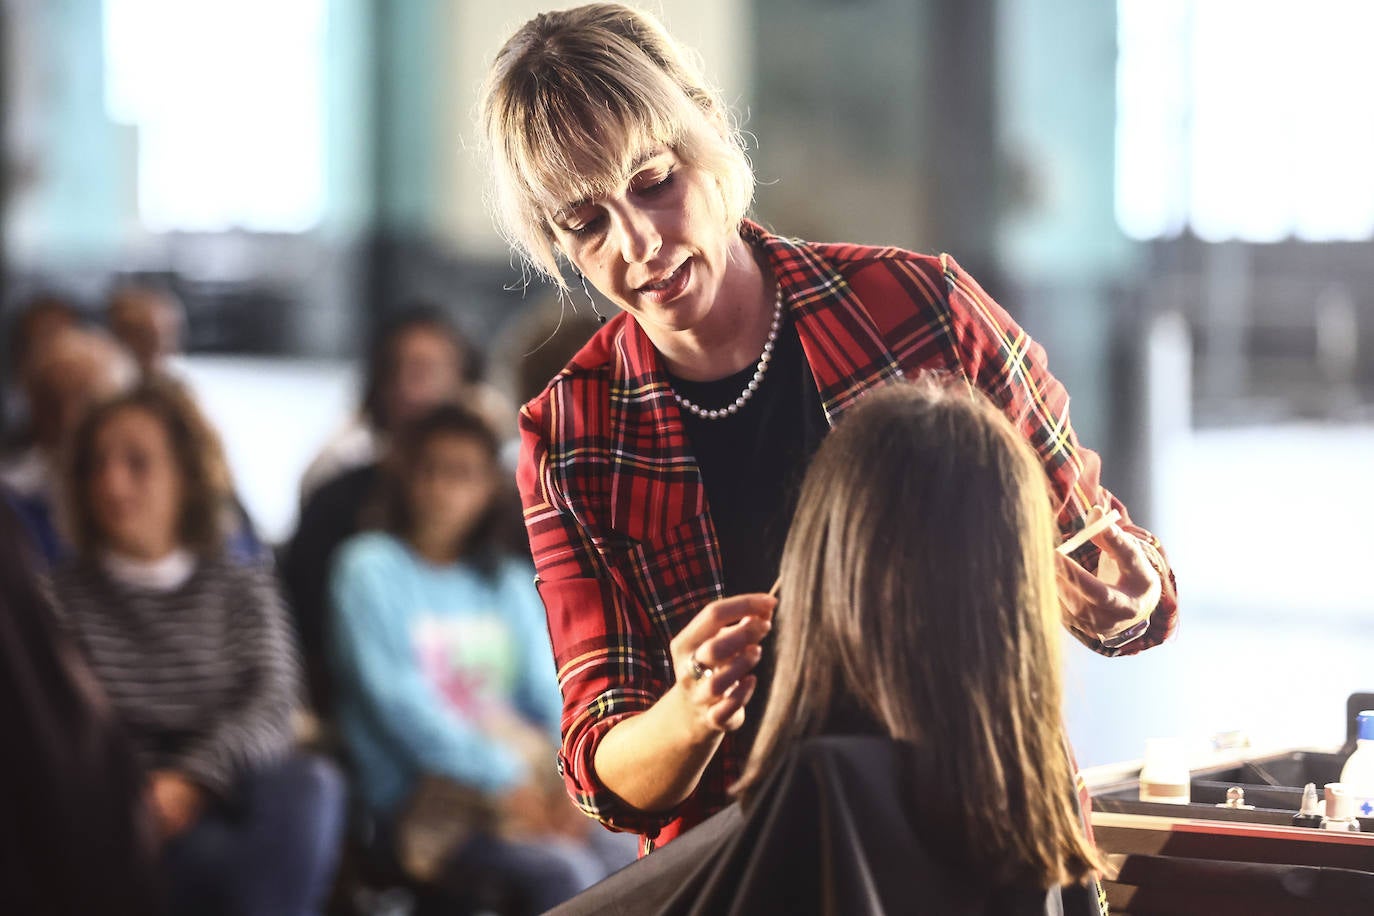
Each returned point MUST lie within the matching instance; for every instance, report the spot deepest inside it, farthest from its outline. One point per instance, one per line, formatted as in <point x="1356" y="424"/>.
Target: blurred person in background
<point x="36" y="323"/>
<point x="65" y="374"/>
<point x="535" y="348"/>
<point x="417" y="360"/>
<point x="73" y="370"/>
<point x="538" y="345"/>
<point x="76" y="836"/>
<point x="659" y="472"/>
<point x="446" y="681"/>
<point x="194" y="652"/>
<point x="150" y="322"/>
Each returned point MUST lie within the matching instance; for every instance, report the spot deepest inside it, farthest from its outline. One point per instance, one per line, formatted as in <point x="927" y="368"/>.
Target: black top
<point x="753" y="461"/>
<point x="328" y="518"/>
<point x="752" y="464"/>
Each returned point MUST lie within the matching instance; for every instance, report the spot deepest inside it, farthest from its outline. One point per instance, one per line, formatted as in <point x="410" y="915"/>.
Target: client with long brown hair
<point x="919" y="603"/>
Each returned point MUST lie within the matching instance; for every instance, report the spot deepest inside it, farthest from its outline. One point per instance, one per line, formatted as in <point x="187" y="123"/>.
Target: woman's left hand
<point x="1124" y="591"/>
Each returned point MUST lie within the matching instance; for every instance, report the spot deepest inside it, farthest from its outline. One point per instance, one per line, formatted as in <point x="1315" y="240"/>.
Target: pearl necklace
<point x="765" y="358"/>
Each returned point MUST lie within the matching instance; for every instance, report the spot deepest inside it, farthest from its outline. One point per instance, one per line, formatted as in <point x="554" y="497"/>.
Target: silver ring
<point x="699" y="670"/>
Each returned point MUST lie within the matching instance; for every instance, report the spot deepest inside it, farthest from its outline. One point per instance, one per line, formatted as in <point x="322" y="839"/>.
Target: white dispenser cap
<point x="1339" y="804"/>
<point x="1166" y="760"/>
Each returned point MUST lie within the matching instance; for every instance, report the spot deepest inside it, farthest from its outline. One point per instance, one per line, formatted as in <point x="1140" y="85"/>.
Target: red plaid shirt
<point x="616" y="510"/>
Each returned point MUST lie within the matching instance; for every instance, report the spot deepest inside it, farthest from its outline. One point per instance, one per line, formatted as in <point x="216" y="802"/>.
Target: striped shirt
<point x="622" y="536"/>
<point x="204" y="675"/>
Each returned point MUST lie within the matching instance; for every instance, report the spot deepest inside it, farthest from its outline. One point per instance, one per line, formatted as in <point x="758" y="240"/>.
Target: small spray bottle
<point x="1310" y="814"/>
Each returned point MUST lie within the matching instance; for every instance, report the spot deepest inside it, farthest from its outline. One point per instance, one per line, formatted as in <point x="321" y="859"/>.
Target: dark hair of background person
<point x="75" y="837"/>
<point x="40" y="315"/>
<point x="207" y="494"/>
<point x="919" y="596"/>
<point x="497" y="534"/>
<point x="382" y="356"/>
<point x="148" y="319"/>
<point x="544" y="342"/>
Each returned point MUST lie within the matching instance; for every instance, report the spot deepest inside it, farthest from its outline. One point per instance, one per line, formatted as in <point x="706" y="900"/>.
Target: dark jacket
<point x="75" y="837"/>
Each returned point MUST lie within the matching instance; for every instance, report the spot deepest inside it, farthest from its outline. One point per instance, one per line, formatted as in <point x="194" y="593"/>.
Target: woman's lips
<point x="671" y="287"/>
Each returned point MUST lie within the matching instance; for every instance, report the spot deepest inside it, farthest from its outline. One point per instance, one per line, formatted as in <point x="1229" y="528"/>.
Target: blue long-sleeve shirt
<point x="423" y="655"/>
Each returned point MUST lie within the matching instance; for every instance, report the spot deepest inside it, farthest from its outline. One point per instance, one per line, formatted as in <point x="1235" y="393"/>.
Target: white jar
<point x="1165" y="778"/>
<point x="1358" y="773"/>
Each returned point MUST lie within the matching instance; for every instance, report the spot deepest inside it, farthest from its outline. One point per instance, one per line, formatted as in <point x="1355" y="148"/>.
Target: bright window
<point x="227" y="99"/>
<point x="1245" y="119"/>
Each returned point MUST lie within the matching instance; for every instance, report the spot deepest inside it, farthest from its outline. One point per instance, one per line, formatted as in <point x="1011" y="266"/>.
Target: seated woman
<point x="448" y="700"/>
<point x="911" y="756"/>
<point x="195" y="654"/>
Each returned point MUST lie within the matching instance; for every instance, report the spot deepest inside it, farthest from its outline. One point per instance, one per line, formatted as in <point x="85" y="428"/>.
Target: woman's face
<point x="427" y="372"/>
<point x="658" y="246"/>
<point x="136" y="486"/>
<point x="452" y="485"/>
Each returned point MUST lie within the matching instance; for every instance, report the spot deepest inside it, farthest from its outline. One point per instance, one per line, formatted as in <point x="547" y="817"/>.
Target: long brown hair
<point x="918" y="589"/>
<point x="207" y="489"/>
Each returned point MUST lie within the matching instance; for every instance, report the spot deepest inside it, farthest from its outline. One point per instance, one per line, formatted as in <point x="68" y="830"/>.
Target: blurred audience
<point x="417" y="361"/>
<point x="196" y="657"/>
<point x="65" y="371"/>
<point x="68" y="370"/>
<point x="448" y="698"/>
<point x="150" y="322"/>
<point x="37" y="322"/>
<point x="76" y="837"/>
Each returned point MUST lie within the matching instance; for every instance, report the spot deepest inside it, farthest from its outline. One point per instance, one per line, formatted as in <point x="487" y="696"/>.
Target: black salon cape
<point x="74" y="836"/>
<point x="827" y="835"/>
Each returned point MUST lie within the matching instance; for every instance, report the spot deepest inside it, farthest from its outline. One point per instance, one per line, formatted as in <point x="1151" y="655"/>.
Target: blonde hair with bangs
<point x="573" y="96"/>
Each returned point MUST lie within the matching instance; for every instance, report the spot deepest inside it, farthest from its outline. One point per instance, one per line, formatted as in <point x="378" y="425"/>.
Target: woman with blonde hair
<point x="659" y="470"/>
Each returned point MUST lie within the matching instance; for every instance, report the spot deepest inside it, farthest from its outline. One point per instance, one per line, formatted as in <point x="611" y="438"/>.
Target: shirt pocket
<point x="671" y="575"/>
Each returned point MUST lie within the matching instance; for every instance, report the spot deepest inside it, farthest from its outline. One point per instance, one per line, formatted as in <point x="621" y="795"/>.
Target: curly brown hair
<point x="207" y="490"/>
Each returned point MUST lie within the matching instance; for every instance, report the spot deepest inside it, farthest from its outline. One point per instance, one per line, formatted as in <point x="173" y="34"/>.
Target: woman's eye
<point x="585" y="227"/>
<point x="658" y="183"/>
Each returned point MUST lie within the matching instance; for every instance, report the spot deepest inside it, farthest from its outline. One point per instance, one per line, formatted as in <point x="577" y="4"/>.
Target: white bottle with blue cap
<point x="1358" y="773"/>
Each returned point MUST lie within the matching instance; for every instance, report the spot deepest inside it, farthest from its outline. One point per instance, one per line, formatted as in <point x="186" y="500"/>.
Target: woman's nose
<point x="639" y="236"/>
<point x="109" y="484"/>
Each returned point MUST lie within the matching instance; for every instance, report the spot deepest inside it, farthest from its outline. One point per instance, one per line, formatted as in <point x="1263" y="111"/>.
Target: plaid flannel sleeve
<point x="1002" y="360"/>
<point x="600" y="634"/>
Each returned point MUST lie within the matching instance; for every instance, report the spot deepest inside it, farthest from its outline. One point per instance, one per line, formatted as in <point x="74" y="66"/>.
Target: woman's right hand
<point x="653" y="760"/>
<point x="713" y="656"/>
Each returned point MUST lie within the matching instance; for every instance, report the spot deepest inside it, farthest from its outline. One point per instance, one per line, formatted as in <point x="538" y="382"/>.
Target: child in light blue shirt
<point x="444" y="669"/>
